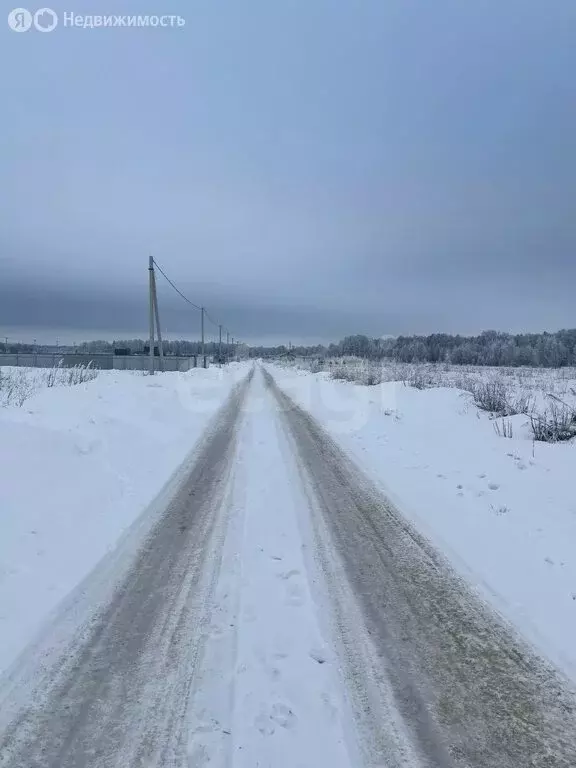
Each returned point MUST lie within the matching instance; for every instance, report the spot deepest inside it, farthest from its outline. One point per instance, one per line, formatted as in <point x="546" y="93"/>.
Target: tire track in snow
<point x="269" y="691"/>
<point x="437" y="680"/>
<point x="120" y="698"/>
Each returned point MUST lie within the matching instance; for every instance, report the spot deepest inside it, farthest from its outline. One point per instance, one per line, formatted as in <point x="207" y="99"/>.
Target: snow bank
<point x="503" y="510"/>
<point x="77" y="466"/>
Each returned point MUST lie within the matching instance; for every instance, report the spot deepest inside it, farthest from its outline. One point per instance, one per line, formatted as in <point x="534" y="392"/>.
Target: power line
<point x="210" y="318"/>
<point x="178" y="291"/>
<point x="186" y="299"/>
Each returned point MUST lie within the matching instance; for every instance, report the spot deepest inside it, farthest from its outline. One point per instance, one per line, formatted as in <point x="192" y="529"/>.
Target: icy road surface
<point x="279" y="613"/>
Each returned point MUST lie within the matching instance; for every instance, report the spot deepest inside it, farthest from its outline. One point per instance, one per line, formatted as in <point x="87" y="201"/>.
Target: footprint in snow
<point x="283" y="715"/>
<point x="207" y="726"/>
<point x="332" y="709"/>
<point x="295" y="595"/>
<point x="198" y="754"/>
<point x="265" y="725"/>
<point x="493" y="486"/>
<point x="318" y="656"/>
<point x="278" y="715"/>
<point x="288" y="575"/>
<point x="216" y="631"/>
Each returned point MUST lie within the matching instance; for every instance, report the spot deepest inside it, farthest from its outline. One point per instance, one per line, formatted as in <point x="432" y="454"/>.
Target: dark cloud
<point x="302" y="169"/>
<point x="29" y="309"/>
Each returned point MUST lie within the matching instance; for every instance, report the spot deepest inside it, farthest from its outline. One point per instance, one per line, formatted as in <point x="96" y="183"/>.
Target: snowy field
<point x="18" y="384"/>
<point x="243" y="627"/>
<point x="77" y="465"/>
<point x="503" y="509"/>
<point x="547" y="396"/>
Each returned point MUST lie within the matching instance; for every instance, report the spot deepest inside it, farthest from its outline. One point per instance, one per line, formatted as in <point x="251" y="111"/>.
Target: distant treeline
<point x="550" y="350"/>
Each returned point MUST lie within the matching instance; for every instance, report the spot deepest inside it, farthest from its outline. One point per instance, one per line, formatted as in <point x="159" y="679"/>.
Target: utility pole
<point x="151" y="292"/>
<point x="157" y="315"/>
<point x="220" y="347"/>
<point x="203" y="347"/>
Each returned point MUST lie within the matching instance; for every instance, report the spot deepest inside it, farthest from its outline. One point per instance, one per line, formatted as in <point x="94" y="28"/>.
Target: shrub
<point x="17" y="385"/>
<point x="317" y="367"/>
<point x="80" y="374"/>
<point x="491" y="396"/>
<point x="371" y="376"/>
<point x="421" y="379"/>
<point x="343" y="373"/>
<point x="556" y="424"/>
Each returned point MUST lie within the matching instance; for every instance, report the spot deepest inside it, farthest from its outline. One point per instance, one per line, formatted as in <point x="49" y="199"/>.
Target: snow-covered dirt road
<point x="280" y="613"/>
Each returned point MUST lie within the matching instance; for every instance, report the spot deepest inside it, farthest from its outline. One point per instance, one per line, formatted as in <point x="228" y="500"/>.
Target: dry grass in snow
<point x="547" y="396"/>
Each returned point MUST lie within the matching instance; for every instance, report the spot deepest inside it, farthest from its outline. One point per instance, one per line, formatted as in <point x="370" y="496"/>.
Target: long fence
<point x="104" y="362"/>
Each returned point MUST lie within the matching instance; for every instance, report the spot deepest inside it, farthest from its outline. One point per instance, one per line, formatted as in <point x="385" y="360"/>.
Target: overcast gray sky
<point x="305" y="168"/>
